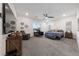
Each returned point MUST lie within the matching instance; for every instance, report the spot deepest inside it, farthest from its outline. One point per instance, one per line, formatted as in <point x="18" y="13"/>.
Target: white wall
<point x="2" y="40"/>
<point x="61" y="24"/>
<point x="45" y="25"/>
<point x="27" y="21"/>
<point x="77" y="33"/>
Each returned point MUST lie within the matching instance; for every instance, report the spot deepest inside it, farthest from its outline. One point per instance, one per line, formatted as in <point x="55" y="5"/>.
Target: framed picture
<point x="69" y="26"/>
<point x="21" y="27"/>
<point x="22" y="23"/>
<point x="26" y="26"/>
<point x="12" y="22"/>
<point x="13" y="27"/>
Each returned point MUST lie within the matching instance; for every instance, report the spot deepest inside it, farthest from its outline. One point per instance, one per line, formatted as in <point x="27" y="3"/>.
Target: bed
<point x="55" y="35"/>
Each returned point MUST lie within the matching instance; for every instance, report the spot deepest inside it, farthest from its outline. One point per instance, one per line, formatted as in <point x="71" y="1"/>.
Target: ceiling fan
<point x="46" y="15"/>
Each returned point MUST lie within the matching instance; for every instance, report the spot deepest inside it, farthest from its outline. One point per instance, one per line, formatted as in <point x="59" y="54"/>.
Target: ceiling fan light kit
<point x="46" y="15"/>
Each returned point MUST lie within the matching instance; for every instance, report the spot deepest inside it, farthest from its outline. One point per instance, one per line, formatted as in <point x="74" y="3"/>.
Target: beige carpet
<point x="41" y="46"/>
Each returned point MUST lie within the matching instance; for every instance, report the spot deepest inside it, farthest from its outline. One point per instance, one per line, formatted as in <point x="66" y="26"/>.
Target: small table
<point x="26" y="36"/>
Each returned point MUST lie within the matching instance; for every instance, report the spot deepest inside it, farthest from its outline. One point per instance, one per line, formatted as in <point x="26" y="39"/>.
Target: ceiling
<point x="36" y="10"/>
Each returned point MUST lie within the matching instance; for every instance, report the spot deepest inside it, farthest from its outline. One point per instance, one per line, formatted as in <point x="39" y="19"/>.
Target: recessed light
<point x="45" y="17"/>
<point x="27" y="14"/>
<point x="64" y="14"/>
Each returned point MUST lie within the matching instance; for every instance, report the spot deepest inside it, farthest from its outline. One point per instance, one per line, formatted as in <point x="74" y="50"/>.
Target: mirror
<point x="8" y="19"/>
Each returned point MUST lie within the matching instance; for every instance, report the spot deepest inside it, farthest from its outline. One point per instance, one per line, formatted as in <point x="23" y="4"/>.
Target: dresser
<point x="14" y="45"/>
<point x="69" y="35"/>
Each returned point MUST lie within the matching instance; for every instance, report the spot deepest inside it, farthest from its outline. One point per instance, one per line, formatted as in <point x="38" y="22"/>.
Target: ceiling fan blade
<point x="50" y="17"/>
<point x="43" y="14"/>
<point x="46" y="15"/>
